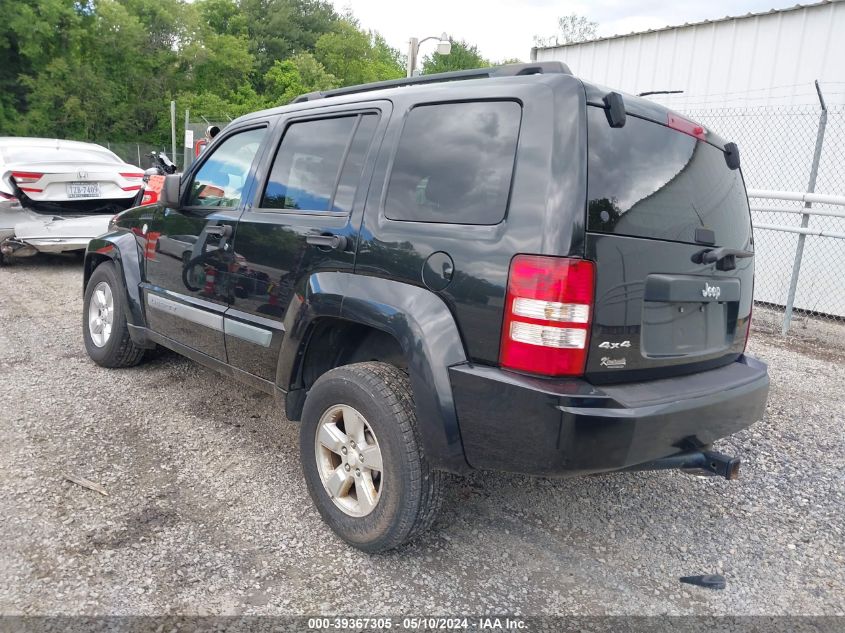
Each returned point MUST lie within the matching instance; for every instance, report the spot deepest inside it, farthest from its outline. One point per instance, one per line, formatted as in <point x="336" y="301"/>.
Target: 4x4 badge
<point x="711" y="291"/>
<point x="614" y="344"/>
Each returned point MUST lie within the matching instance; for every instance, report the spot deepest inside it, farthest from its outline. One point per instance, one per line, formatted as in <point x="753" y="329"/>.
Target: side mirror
<point x="170" y="190"/>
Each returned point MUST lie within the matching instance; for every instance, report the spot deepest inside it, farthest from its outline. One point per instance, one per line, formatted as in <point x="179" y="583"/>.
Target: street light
<point x="444" y="47"/>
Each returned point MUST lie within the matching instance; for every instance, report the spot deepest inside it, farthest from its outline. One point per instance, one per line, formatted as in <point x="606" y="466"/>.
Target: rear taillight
<point x="23" y="178"/>
<point x="150" y="197"/>
<point x="548" y="312"/>
<point x="686" y="126"/>
<point x="132" y="175"/>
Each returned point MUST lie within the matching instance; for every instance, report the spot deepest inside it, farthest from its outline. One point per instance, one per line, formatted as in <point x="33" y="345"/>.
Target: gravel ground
<point x="207" y="512"/>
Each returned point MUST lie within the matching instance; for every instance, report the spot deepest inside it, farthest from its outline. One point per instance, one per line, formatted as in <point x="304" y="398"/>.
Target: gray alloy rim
<point x="349" y="460"/>
<point x="101" y="314"/>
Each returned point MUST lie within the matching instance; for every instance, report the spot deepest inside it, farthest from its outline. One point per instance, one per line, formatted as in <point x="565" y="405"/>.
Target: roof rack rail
<point x="508" y="70"/>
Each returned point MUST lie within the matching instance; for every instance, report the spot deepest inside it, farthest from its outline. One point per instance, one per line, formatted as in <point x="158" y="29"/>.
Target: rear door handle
<point x="328" y="242"/>
<point x="724" y="258"/>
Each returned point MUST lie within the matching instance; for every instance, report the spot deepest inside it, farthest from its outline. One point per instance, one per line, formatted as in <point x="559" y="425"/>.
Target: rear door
<point x="304" y="218"/>
<point x="658" y="199"/>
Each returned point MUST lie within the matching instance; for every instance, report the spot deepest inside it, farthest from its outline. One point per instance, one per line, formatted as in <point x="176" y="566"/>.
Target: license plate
<point x="83" y="190"/>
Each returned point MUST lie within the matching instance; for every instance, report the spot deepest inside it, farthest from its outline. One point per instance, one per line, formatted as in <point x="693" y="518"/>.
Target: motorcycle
<point x="154" y="177"/>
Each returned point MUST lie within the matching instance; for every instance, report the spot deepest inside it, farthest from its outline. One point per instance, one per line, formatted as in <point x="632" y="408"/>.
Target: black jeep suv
<point x="505" y="269"/>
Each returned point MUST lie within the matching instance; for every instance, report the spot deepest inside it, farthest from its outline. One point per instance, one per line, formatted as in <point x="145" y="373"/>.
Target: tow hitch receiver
<point x="707" y="463"/>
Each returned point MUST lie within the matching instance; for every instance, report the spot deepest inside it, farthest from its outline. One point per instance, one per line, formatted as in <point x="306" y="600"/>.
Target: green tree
<point x="462" y="57"/>
<point x="106" y="70"/>
<point x="356" y="57"/>
<point x="224" y="17"/>
<point x="288" y="79"/>
<point x="278" y="29"/>
<point x="571" y="29"/>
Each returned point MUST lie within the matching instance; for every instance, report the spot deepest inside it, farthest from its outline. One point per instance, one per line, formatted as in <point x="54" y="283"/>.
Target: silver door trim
<point x="254" y="319"/>
<point x="183" y="311"/>
<point x="249" y="333"/>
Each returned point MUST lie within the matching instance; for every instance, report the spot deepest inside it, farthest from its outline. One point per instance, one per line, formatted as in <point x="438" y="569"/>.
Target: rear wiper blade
<point x="724" y="258"/>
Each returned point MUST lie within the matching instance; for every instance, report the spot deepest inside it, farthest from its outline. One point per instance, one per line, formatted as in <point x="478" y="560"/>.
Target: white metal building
<point x="751" y="78"/>
<point x="757" y="59"/>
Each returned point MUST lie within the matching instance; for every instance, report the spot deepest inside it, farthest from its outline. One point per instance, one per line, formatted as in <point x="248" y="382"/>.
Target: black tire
<point x="118" y="350"/>
<point x="411" y="492"/>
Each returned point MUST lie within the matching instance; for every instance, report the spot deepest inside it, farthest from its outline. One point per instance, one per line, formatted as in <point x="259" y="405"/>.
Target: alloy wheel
<point x="101" y="314"/>
<point x="349" y="460"/>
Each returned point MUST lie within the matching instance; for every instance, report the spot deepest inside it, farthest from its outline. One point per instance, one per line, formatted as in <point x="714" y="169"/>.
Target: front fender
<point x="122" y="248"/>
<point x="425" y="329"/>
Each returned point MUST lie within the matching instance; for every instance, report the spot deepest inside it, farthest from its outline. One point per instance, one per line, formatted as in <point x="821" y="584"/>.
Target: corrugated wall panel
<point x="748" y="61"/>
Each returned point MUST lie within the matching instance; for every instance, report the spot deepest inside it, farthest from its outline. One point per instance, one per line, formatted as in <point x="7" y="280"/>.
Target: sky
<point x="505" y="29"/>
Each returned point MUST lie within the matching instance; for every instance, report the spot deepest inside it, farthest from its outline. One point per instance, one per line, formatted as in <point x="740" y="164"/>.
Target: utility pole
<point x="413" y="49"/>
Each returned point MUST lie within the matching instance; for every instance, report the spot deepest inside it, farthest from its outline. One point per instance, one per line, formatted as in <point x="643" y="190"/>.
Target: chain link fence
<point x="197" y="129"/>
<point x="799" y="246"/>
<point x="190" y="139"/>
<point x="137" y="154"/>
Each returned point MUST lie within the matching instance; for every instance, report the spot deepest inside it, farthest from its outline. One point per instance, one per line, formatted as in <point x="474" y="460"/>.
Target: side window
<point x="454" y="163"/>
<point x="221" y="179"/>
<point x="319" y="163"/>
<point x="350" y="176"/>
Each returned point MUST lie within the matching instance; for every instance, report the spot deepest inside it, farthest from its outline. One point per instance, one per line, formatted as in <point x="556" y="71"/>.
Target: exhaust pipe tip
<point x="732" y="473"/>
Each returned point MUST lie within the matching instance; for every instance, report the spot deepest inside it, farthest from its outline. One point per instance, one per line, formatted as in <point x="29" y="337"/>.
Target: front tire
<point x="104" y="327"/>
<point x="363" y="460"/>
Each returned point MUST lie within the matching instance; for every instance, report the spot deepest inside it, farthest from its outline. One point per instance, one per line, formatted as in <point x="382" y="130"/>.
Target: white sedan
<point x="56" y="195"/>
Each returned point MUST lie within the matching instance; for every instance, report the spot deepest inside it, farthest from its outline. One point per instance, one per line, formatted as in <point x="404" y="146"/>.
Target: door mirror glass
<point x="170" y="190"/>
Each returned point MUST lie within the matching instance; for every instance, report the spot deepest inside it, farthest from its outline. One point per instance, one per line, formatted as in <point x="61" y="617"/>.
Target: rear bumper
<point x="50" y="234"/>
<point x="58" y="245"/>
<point x="562" y="428"/>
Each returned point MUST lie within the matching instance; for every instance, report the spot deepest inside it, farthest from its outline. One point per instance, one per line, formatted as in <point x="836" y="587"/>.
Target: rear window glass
<point x="647" y="180"/>
<point x="454" y="163"/>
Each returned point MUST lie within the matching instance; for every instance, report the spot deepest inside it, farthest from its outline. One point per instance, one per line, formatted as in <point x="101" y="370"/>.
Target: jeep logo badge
<point x="711" y="291"/>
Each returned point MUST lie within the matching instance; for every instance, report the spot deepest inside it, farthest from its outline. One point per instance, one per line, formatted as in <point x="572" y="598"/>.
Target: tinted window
<point x="354" y="165"/>
<point x="221" y="179"/>
<point x="648" y="180"/>
<point x="454" y="163"/>
<point x="307" y="169"/>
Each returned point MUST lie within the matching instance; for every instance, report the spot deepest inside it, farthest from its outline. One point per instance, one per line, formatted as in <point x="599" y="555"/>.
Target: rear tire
<point x="104" y="327"/>
<point x="372" y="402"/>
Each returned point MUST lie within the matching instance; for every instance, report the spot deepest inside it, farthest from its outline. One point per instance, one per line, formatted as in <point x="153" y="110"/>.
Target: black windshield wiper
<point x="724" y="258"/>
